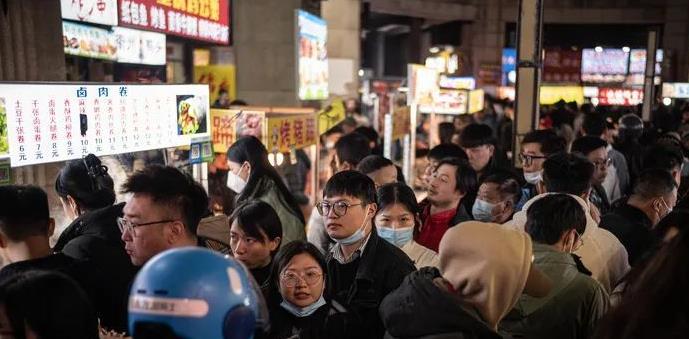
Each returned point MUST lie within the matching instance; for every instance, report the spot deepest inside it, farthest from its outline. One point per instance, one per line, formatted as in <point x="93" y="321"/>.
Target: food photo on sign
<point x="191" y="114"/>
<point x="4" y="145"/>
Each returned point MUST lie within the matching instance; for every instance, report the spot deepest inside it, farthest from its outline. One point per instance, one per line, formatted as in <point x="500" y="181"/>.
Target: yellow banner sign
<point x="228" y="125"/>
<point x="401" y="122"/>
<point x="331" y="115"/>
<point x="219" y="78"/>
<point x="551" y="94"/>
<point x="286" y="133"/>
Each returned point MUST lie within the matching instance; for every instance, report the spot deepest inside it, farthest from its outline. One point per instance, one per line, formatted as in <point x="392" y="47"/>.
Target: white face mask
<point x="483" y="210"/>
<point x="533" y="178"/>
<point x="235" y="182"/>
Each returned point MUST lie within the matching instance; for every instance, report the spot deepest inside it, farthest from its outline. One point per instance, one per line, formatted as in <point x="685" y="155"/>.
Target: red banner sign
<point x="620" y="96"/>
<point x="207" y="20"/>
<point x="562" y="66"/>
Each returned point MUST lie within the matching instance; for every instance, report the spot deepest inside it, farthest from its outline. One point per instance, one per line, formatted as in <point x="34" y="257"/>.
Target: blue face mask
<point x="398" y="237"/>
<point x="482" y="210"/>
<point x="302" y="311"/>
<point x="355" y="237"/>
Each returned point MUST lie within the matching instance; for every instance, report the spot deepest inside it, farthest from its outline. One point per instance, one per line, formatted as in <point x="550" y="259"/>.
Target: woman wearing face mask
<point x="255" y="235"/>
<point x="497" y="197"/>
<point x="87" y="194"/>
<point x="299" y="305"/>
<point x="253" y="178"/>
<point x="398" y="218"/>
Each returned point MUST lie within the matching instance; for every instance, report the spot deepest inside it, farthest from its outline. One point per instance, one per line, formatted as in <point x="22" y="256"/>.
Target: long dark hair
<point x="87" y="181"/>
<point x="656" y="304"/>
<point x="282" y="258"/>
<point x="251" y="150"/>
<point x="255" y="217"/>
<point x="399" y="193"/>
<point x="49" y="303"/>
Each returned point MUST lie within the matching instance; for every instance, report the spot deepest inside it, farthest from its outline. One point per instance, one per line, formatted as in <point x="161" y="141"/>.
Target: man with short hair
<point x="163" y="212"/>
<point x="536" y="147"/>
<point x="381" y="170"/>
<point x="655" y="194"/>
<point x="576" y="302"/>
<point x="362" y="268"/>
<point x="596" y="150"/>
<point x="616" y="183"/>
<point x="438" y="153"/>
<point x="350" y="149"/>
<point x="479" y="144"/>
<point x="664" y="156"/>
<point x="601" y="253"/>
<point x="451" y="192"/>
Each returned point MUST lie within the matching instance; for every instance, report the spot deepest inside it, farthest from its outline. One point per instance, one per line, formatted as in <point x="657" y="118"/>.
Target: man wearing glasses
<point x="362" y="268"/>
<point x="596" y="150"/>
<point x="536" y="147"/>
<point x="163" y="212"/>
<point x="576" y="302"/>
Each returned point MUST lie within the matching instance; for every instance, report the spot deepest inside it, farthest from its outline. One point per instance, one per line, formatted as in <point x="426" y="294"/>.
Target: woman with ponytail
<point x="87" y="193"/>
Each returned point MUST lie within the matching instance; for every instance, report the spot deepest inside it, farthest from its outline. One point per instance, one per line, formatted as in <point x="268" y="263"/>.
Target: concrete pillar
<point x="676" y="40"/>
<point x="344" y="44"/>
<point x="487" y="34"/>
<point x="414" y="52"/>
<point x="265" y="46"/>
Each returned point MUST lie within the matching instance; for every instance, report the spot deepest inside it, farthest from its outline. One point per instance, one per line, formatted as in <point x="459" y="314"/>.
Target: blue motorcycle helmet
<point x="195" y="293"/>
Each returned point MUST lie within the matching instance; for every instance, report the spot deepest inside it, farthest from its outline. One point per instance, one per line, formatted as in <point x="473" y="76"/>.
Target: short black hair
<point x="24" y="212"/>
<point x="550" y="142"/>
<point x="653" y="183"/>
<point x="447" y="151"/>
<point x="368" y="132"/>
<point x="588" y="144"/>
<point x="549" y="217"/>
<point x="594" y="124"/>
<point x="475" y="135"/>
<point x="567" y="173"/>
<point x="352" y="148"/>
<point x="351" y="183"/>
<point x="445" y="132"/>
<point x="285" y="255"/>
<point x="373" y="163"/>
<point x="175" y="190"/>
<point x="508" y="184"/>
<point x="255" y="217"/>
<point x="664" y="156"/>
<point x="466" y="178"/>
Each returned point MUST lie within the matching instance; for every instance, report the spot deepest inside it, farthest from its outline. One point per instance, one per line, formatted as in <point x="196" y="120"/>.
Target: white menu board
<point x="139" y="47"/>
<point x="58" y="122"/>
<point x="96" y="11"/>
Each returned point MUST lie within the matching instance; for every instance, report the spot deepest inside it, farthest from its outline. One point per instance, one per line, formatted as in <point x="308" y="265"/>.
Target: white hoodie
<point x="602" y="253"/>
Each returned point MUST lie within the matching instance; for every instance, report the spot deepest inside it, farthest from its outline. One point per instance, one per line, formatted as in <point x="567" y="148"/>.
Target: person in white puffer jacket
<point x="601" y="253"/>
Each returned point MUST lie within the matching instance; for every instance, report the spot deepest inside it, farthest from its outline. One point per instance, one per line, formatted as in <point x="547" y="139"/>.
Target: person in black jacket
<point x="362" y="268"/>
<point x="299" y="304"/>
<point x="87" y="194"/>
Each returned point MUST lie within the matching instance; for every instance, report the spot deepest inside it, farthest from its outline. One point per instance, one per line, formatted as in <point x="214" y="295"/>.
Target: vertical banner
<point x="219" y="78"/>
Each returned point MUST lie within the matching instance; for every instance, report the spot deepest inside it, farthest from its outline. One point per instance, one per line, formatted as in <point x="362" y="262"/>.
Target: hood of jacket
<point x="420" y="308"/>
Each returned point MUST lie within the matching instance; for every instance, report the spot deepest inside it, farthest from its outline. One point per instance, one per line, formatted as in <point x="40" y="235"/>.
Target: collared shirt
<point x="342" y="259"/>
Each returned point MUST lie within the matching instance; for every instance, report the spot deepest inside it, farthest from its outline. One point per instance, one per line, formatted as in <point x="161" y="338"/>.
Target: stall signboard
<point x="88" y="41"/>
<point x="139" y="47"/>
<point x="227" y="125"/>
<point x="331" y="115"/>
<point x="549" y="95"/>
<point x="206" y="20"/>
<point x="102" y="12"/>
<point x="506" y="93"/>
<point x="57" y="122"/>
<point x="476" y="100"/>
<point x="423" y="85"/>
<point x="561" y="65"/>
<point x="219" y="78"/>
<point x="590" y="91"/>
<point x="290" y="132"/>
<point x="620" y="96"/>
<point x="447" y="101"/>
<point x="607" y="65"/>
<point x="312" y="56"/>
<point x="637" y="61"/>
<point x="401" y="122"/>
<point x="457" y="82"/>
<point x="509" y="65"/>
<point x="676" y="90"/>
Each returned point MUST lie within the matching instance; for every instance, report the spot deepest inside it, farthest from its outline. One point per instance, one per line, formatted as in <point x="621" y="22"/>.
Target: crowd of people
<point x="586" y="239"/>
